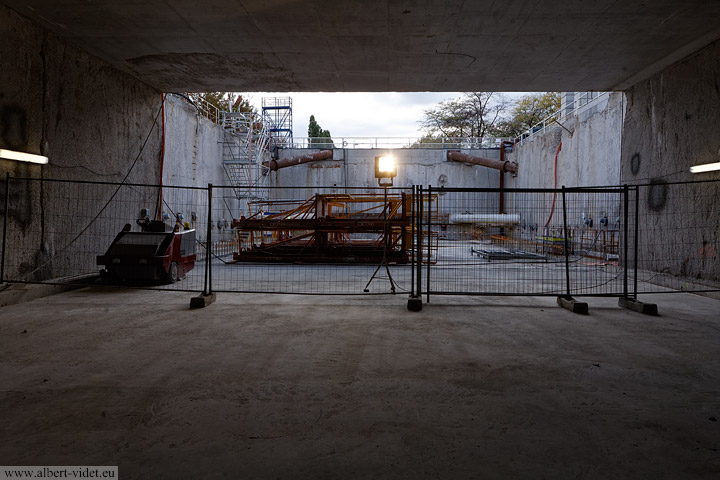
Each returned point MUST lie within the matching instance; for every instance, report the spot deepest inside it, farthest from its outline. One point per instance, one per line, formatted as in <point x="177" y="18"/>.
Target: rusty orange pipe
<point x="503" y="166"/>
<point x="289" y="162"/>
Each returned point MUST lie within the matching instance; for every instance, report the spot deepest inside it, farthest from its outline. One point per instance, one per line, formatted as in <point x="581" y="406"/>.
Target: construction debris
<point x="326" y="228"/>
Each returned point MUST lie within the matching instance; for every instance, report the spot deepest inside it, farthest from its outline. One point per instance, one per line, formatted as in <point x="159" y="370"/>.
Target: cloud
<point x="360" y="114"/>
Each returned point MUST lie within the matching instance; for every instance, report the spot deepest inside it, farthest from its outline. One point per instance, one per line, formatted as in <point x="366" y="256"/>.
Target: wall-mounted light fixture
<point x="385" y="169"/>
<point x="707" y="167"/>
<point x="23" y="157"/>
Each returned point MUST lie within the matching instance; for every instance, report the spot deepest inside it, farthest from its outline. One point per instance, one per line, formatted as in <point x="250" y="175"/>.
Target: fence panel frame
<point x="426" y="224"/>
<point x="87" y="279"/>
<point x="6" y="209"/>
<point x="420" y="225"/>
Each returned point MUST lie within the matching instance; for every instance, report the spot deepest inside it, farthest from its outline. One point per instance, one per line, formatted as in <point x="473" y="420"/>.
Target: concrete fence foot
<point x="414" y="304"/>
<point x="569" y="303"/>
<point x="202" y="300"/>
<point x="644" y="308"/>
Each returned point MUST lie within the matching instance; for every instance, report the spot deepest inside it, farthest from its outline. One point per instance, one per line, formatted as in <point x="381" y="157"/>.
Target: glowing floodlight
<point x="23" y="157"/>
<point x="385" y="169"/>
<point x="707" y="167"/>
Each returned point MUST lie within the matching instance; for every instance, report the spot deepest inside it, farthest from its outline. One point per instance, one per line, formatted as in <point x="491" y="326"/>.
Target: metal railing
<point x="398" y="142"/>
<point x="204" y="108"/>
<point x="580" y="100"/>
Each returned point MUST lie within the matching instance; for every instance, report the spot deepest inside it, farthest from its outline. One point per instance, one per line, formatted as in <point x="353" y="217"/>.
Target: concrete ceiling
<point x="383" y="45"/>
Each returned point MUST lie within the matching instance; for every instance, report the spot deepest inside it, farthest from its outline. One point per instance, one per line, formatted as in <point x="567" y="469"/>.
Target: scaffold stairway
<point x="245" y="147"/>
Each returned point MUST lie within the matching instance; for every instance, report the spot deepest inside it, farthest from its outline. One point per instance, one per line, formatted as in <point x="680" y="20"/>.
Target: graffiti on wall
<point x="657" y="194"/>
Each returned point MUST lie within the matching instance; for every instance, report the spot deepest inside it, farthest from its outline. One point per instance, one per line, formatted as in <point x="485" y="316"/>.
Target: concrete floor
<point x="261" y="386"/>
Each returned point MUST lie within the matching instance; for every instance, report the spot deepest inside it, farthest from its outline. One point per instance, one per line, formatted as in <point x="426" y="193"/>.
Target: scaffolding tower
<point x="245" y="147"/>
<point x="277" y="113"/>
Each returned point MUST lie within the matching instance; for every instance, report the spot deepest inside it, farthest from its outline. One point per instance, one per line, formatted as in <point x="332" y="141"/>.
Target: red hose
<point x="552" y="208"/>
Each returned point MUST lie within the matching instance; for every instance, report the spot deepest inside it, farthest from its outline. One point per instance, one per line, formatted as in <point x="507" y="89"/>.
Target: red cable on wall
<point x="552" y="208"/>
<point x="162" y="160"/>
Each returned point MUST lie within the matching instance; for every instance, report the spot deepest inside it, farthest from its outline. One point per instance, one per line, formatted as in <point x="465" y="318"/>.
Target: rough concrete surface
<point x="88" y="118"/>
<point x="356" y="168"/>
<point x="193" y="147"/>
<point x="590" y="155"/>
<point x="412" y="46"/>
<point x="671" y="124"/>
<point x="351" y="387"/>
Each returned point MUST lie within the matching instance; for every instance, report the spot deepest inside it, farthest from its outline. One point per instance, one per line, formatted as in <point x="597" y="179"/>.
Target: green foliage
<point x="477" y="114"/>
<point x="529" y="110"/>
<point x="228" y="102"/>
<point x="317" y="137"/>
<point x="426" y="140"/>
<point x="430" y="141"/>
<point x="314" y="129"/>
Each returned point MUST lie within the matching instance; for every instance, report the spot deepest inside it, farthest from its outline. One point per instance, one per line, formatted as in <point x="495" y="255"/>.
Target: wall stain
<point x="13" y="128"/>
<point x="635" y="164"/>
<point x="657" y="194"/>
<point x="21" y="200"/>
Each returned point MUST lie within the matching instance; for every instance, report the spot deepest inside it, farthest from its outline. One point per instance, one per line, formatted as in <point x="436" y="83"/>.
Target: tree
<point x="529" y="110"/>
<point x="317" y="137"/>
<point x="212" y="104"/>
<point x="228" y="102"/>
<point x="483" y="110"/>
<point x="472" y="115"/>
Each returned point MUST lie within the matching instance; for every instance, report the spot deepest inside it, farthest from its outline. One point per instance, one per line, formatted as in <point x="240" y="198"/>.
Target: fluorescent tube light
<point x="707" y="167"/>
<point x="23" y="157"/>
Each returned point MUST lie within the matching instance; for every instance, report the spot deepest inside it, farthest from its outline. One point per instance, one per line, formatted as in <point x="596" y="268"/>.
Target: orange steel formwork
<point x="327" y="228"/>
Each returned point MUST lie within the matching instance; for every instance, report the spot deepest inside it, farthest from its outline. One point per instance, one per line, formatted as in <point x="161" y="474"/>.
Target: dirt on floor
<point x="293" y="387"/>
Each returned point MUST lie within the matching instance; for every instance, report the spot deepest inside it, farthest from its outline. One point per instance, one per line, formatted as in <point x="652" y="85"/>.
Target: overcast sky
<point x="359" y="114"/>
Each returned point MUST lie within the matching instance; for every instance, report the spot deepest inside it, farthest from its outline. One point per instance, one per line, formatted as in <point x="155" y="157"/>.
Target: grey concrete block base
<point x="414" y="304"/>
<point x="202" y="300"/>
<point x="644" y="308"/>
<point x="573" y="305"/>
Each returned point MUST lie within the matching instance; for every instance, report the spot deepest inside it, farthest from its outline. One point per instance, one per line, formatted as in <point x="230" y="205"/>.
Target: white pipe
<point x="496" y="218"/>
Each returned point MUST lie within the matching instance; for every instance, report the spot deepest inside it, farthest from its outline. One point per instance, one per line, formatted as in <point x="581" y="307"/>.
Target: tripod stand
<point x="386" y="240"/>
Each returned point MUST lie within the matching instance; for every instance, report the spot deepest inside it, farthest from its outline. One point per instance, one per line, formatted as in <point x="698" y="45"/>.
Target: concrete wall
<point x="95" y="124"/>
<point x="673" y="123"/>
<point x="356" y="168"/>
<point x="649" y="135"/>
<point x="56" y="100"/>
<point x="590" y="155"/>
<point x="193" y="147"/>
<point x="193" y="158"/>
<point x="88" y="118"/>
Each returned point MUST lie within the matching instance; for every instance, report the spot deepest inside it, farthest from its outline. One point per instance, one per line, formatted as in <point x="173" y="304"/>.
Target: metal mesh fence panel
<point x="597" y="234"/>
<point x="678" y="236"/>
<point x="69" y="232"/>
<point x="365" y="240"/>
<point x="312" y="241"/>
<point x="543" y="241"/>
